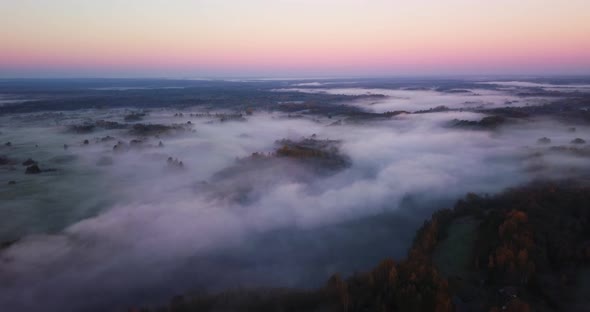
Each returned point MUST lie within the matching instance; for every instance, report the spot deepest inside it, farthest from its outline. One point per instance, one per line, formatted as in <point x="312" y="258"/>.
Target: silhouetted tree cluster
<point x="299" y="152"/>
<point x="411" y="285"/>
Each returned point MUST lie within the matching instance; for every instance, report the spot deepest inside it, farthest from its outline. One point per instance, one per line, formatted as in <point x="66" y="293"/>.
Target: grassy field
<point x="453" y="254"/>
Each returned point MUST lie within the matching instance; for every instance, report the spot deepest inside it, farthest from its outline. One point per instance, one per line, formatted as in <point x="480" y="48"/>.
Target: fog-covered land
<point x="126" y="193"/>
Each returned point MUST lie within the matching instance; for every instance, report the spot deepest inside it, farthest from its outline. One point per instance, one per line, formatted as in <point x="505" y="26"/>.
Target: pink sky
<point x="293" y="37"/>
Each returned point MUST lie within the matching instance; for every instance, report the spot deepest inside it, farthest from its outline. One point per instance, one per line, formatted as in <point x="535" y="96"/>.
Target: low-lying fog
<point x="7" y="99"/>
<point x="111" y="228"/>
<point x="425" y="98"/>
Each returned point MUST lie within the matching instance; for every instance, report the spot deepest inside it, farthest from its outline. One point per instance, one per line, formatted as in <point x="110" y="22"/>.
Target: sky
<point x="290" y="38"/>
